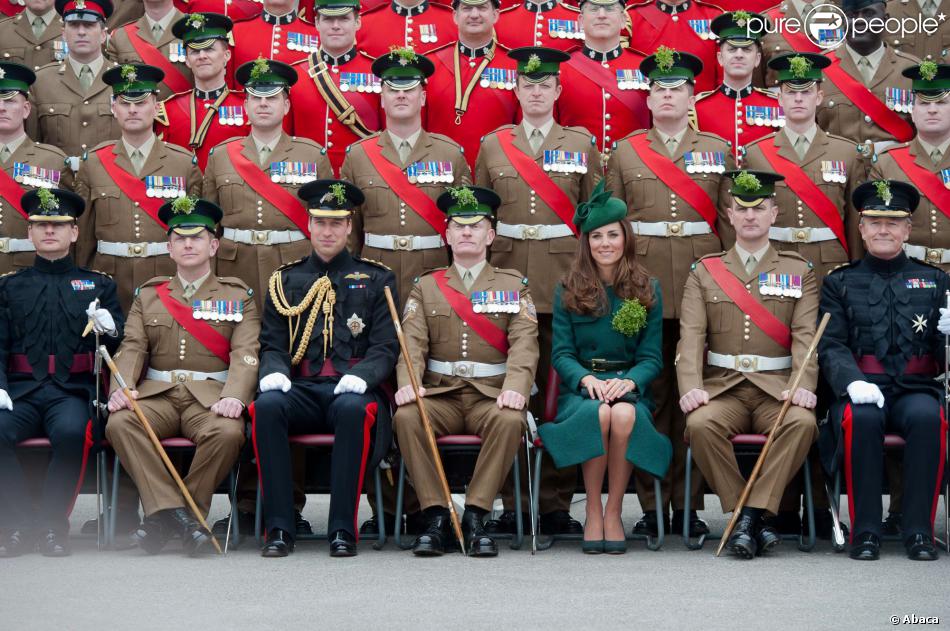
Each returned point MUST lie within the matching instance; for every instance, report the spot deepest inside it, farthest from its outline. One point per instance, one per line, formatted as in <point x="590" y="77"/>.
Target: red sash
<point x="132" y="186"/>
<point x="806" y="189"/>
<point x="796" y="41"/>
<point x="289" y="205"/>
<point x="421" y="203"/>
<point x="675" y="179"/>
<point x="606" y="79"/>
<point x="762" y="317"/>
<point x="865" y="100"/>
<point x="928" y="183"/>
<point x="11" y="192"/>
<point x="174" y="79"/>
<point x="199" y="329"/>
<point x="550" y="193"/>
<point x="476" y="321"/>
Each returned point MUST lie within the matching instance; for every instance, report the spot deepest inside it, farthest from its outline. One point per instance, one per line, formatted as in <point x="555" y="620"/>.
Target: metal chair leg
<point x="232" y="486"/>
<point x="660" y="534"/>
<point x="381" y="515"/>
<point x="400" y="491"/>
<point x="542" y="544"/>
<point x="519" y="522"/>
<point x="115" y="499"/>
<point x="809" y="544"/>
<point x="687" y="540"/>
<point x="258" y="514"/>
<point x="528" y="466"/>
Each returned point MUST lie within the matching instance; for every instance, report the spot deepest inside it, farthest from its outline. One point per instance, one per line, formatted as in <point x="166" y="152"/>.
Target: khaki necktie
<point x="929" y="8"/>
<point x="404" y="149"/>
<point x="5" y="154"/>
<point x="750" y="264"/>
<point x="936" y="156"/>
<point x="467" y="279"/>
<point x="85" y="77"/>
<point x="801" y="147"/>
<point x="671" y="144"/>
<point x="867" y="72"/>
<point x="38" y="27"/>
<point x="536" y="140"/>
<point x="264" y="154"/>
<point x="190" y="291"/>
<point x="157" y="31"/>
<point x="138" y="160"/>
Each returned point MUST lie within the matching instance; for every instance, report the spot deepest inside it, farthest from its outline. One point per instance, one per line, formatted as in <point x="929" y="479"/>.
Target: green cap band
<point x="12" y="85"/>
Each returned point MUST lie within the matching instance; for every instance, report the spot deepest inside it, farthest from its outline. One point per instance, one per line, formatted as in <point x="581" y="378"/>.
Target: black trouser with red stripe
<point x="312" y="408"/>
<point x="62" y="417"/>
<point x="918" y="418"/>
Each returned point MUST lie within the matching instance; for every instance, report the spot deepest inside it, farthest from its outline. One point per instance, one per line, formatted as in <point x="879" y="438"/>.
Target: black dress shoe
<point x="823" y="525"/>
<point x="921" y="548"/>
<point x="766" y="538"/>
<point x="194" y="538"/>
<point x="504" y="525"/>
<point x="153" y="533"/>
<point x="477" y="541"/>
<point x="697" y="527"/>
<point x="302" y="525"/>
<point x="279" y="543"/>
<point x="786" y="522"/>
<point x="431" y="543"/>
<point x="342" y="544"/>
<point x="126" y="522"/>
<point x="370" y="527"/>
<point x="647" y="526"/>
<point x="891" y="526"/>
<point x="16" y="543"/>
<point x="742" y="541"/>
<point x="867" y="547"/>
<point x="559" y="522"/>
<point x="54" y="545"/>
<point x="245" y="523"/>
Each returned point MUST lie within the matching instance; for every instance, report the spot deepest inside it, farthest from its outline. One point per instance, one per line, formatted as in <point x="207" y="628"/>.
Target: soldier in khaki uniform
<point x="150" y="40"/>
<point x="932" y="43"/>
<point x="33" y="38"/>
<point x="22" y="160"/>
<point x="748" y="317"/>
<point x="552" y="168"/>
<point x="202" y="373"/>
<point x="399" y="223"/>
<point x="670" y="178"/>
<point x="72" y="109"/>
<point x="127" y="12"/>
<point x="124" y="182"/>
<point x="475" y="366"/>
<point x="255" y="180"/>
<point x="821" y="170"/>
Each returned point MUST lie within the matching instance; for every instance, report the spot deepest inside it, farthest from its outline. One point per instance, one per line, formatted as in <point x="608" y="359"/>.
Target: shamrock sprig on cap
<point x="747" y="183"/>
<point x="664" y="58"/>
<point x="800" y="66"/>
<point x="928" y="70"/>
<point x="48" y="201"/>
<point x="534" y="62"/>
<point x="463" y="196"/>
<point x="184" y="205"/>
<point x="259" y="69"/>
<point x="883" y="189"/>
<point x="405" y="54"/>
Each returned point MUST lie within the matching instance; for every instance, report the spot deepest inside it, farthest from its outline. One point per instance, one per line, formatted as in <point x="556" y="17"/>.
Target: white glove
<point x="943" y="324"/>
<point x="864" y="392"/>
<point x="5" y="402"/>
<point x="350" y="383"/>
<point x="275" y="381"/>
<point x="102" y="321"/>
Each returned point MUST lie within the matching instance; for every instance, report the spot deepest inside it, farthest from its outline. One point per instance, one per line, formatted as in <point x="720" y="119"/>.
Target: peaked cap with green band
<point x="599" y="210"/>
<point x="930" y="80"/>
<point x="536" y="63"/>
<point x="330" y="198"/>
<point x="15" y="79"/>
<point x="188" y="215"/>
<point x="468" y="204"/>
<point x="332" y="8"/>
<point x="402" y="68"/>
<point x="53" y="205"/>
<point x="133" y="82"/>
<point x="265" y="77"/>
<point x="886" y="198"/>
<point x="749" y="188"/>
<point x="799" y="70"/>
<point x="199" y="30"/>
<point x="734" y="27"/>
<point x="669" y="68"/>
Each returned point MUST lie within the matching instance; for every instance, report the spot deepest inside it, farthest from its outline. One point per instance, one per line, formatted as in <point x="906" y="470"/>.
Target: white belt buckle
<point x="260" y="236"/>
<point x="675" y="228"/>
<point x="934" y="255"/>
<point x="181" y="376"/>
<point x="137" y="250"/>
<point x="531" y="232"/>
<point x="402" y="243"/>
<point x="463" y="369"/>
<point x="744" y="363"/>
<point x="800" y="235"/>
<point x="4" y="245"/>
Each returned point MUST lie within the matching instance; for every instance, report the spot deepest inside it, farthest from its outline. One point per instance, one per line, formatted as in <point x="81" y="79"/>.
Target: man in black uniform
<point x="46" y="380"/>
<point x="329" y="382"/>
<point x="880" y="354"/>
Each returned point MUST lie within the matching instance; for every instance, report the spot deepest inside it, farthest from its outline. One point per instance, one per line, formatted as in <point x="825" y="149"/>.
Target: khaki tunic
<point x="66" y="116"/>
<point x="838" y="115"/>
<point x="931" y="226"/>
<point x="544" y="262"/>
<point x="935" y="47"/>
<point x="245" y="209"/>
<point x="111" y="215"/>
<point x="793" y="212"/>
<point x="13" y="225"/>
<point x="123" y="13"/>
<point x="383" y="213"/>
<point x="649" y="199"/>
<point x="120" y="50"/>
<point x="18" y="44"/>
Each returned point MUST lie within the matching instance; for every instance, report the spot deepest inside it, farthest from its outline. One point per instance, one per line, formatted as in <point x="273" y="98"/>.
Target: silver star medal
<point x="355" y="324"/>
<point x="920" y="323"/>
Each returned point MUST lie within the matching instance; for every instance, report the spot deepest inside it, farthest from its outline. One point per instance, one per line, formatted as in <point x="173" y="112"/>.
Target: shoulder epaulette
<point x="54" y="64"/>
<point x="445" y="139"/>
<point x="177" y="148"/>
<point x="703" y="95"/>
<point x="50" y="148"/>
<point x="767" y="93"/>
<point x="309" y="142"/>
<point x="379" y="264"/>
<point x="235" y="282"/>
<point x="152" y="282"/>
<point x="792" y="254"/>
<point x="95" y="271"/>
<point x="292" y="263"/>
<point x="103" y="144"/>
<point x="224" y="142"/>
<point x="713" y="255"/>
<point x="513" y="272"/>
<point x="758" y="140"/>
<point x="365" y="54"/>
<point x="838" y="268"/>
<point x="712" y="136"/>
<point x="885" y="150"/>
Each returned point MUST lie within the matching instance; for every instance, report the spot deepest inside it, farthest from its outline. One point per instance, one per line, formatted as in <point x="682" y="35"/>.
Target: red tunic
<point x="312" y="117"/>
<point x="488" y="108"/>
<point x="753" y="6"/>
<point x="591" y="104"/>
<point x="382" y="27"/>
<point x="11" y="7"/>
<point x="177" y="127"/>
<point x="234" y="9"/>
<point x="724" y="112"/>
<point x="271" y="38"/>
<point x="651" y="27"/>
<point x="533" y="25"/>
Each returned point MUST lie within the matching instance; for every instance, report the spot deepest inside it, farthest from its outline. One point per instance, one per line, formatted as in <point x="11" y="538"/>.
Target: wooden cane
<point x="430" y="435"/>
<point x="158" y="445"/>
<point x="768" y="443"/>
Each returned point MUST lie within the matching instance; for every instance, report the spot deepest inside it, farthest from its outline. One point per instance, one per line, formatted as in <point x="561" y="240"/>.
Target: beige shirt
<point x="411" y="139"/>
<point x="46" y="17"/>
<point x="677" y="139"/>
<point x="793" y="137"/>
<point x="874" y="58"/>
<point x="163" y="22"/>
<point x="474" y="269"/>
<point x="146" y="147"/>
<point x="95" y="65"/>
<point x="942" y="147"/>
<point x="545" y="129"/>
<point x="745" y="254"/>
<point x="197" y="284"/>
<point x="13" y="145"/>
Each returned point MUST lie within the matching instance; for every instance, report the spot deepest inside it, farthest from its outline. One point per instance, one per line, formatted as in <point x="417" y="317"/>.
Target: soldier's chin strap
<point x="320" y="296"/>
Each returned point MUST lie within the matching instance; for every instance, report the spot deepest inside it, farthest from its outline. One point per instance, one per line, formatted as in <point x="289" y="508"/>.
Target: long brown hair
<point x="583" y="290"/>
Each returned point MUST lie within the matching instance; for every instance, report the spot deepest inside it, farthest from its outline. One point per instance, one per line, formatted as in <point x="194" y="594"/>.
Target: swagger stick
<point x="430" y="435"/>
<point x="946" y="414"/>
<point x="768" y="443"/>
<point x="158" y="445"/>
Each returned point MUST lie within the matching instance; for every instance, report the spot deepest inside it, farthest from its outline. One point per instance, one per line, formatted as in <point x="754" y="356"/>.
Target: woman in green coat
<point x="608" y="322"/>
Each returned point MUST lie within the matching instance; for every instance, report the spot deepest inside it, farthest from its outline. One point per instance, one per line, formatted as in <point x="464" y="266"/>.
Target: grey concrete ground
<point x="560" y="588"/>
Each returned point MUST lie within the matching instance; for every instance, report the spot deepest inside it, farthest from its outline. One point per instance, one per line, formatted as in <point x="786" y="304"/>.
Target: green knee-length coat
<point x="575" y="436"/>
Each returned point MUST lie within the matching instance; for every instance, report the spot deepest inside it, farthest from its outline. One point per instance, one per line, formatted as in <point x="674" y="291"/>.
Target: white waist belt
<point x="133" y="250"/>
<point x="263" y="237"/>
<point x="181" y="376"/>
<point x="670" y="228"/>
<point x="801" y="235"/>
<point x="16" y="245"/>
<point x="930" y="255"/>
<point x="399" y="242"/>
<point x="467" y="369"/>
<point x="540" y="232"/>
<point x="748" y="363"/>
